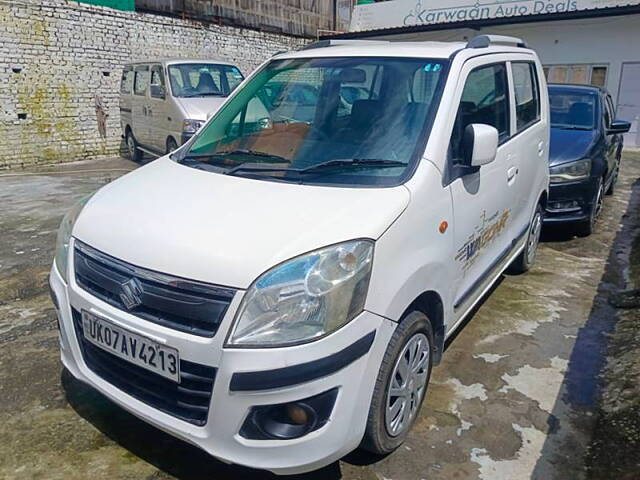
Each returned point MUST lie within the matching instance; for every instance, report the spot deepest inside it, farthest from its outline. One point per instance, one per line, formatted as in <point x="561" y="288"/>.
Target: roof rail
<point x="336" y="42"/>
<point x="484" y="41"/>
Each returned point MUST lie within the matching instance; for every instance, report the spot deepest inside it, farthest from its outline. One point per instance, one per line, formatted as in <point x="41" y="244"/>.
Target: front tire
<point x="586" y="228"/>
<point x="401" y="384"/>
<point x="172" y="145"/>
<point x="527" y="257"/>
<point x="132" y="147"/>
<point x="612" y="186"/>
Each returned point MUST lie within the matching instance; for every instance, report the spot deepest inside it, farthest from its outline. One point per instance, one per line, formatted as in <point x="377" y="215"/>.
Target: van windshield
<point x="203" y="79"/>
<point x="350" y="121"/>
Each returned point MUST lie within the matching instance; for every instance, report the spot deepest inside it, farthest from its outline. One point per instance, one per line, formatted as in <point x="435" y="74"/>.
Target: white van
<point x="277" y="290"/>
<point x="163" y="103"/>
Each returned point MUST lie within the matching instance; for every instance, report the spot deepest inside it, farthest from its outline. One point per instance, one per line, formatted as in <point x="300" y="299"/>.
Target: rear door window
<point x="126" y="83"/>
<point x="142" y="80"/>
<point x="157" y="79"/>
<point x="527" y="94"/>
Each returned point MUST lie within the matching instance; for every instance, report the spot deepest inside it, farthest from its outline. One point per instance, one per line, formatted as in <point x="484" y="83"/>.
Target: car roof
<point x="376" y="48"/>
<point x="398" y="49"/>
<point x="577" y="87"/>
<point x="173" y="61"/>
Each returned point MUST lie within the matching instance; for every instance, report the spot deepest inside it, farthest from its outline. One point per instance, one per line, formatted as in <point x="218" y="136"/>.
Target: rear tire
<point x="401" y="384"/>
<point x="527" y="257"/>
<point x="132" y="147"/>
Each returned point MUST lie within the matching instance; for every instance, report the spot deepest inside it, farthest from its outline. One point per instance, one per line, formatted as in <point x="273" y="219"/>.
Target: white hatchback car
<point x="277" y="290"/>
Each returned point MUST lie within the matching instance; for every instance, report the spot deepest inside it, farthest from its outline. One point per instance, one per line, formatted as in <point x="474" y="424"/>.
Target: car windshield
<point x="349" y="121"/>
<point x="572" y="110"/>
<point x="203" y="79"/>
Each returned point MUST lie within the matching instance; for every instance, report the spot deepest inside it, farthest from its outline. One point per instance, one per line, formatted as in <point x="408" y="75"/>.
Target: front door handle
<point x="540" y="148"/>
<point x="511" y="174"/>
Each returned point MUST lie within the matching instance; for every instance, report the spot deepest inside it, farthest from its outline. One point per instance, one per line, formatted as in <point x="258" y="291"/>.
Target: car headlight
<point x="570" y="172"/>
<point x="64" y="236"/>
<point x="191" y="126"/>
<point x="305" y="298"/>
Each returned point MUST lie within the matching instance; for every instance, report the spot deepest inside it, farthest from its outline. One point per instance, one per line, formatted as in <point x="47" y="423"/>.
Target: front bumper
<point x="570" y="202"/>
<point x="229" y="406"/>
<point x="185" y="137"/>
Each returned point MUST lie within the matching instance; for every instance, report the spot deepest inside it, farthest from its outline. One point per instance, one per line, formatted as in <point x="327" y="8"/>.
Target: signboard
<point x="404" y="13"/>
<point x="118" y="4"/>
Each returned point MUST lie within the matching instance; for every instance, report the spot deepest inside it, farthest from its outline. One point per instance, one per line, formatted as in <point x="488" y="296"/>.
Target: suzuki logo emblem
<point x="130" y="292"/>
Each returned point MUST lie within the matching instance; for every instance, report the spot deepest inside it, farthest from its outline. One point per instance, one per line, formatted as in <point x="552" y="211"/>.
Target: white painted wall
<point x="606" y="40"/>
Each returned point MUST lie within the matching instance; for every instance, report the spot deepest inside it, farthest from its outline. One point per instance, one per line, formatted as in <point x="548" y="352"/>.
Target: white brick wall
<point x="53" y="58"/>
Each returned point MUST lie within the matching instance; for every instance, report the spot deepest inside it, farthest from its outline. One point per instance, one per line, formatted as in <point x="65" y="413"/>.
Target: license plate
<point x="132" y="347"/>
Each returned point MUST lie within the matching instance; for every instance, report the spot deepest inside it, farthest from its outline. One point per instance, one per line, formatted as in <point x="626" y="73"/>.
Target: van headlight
<point x="570" y="172"/>
<point x="64" y="236"/>
<point x="305" y="298"/>
<point x="191" y="125"/>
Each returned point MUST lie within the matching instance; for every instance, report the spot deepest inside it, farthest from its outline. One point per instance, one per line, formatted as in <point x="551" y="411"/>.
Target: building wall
<point x="603" y="41"/>
<point x="295" y="17"/>
<point x="59" y="57"/>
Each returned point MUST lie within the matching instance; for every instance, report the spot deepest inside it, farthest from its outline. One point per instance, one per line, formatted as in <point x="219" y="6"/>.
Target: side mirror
<point x="156" y="91"/>
<point x="618" y="126"/>
<point x="480" y="144"/>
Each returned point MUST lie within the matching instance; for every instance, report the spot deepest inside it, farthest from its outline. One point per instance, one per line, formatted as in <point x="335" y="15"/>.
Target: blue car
<point x="584" y="156"/>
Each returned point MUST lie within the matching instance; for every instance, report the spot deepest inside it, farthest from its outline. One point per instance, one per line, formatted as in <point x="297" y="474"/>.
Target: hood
<point x="223" y="229"/>
<point x="569" y="145"/>
<point x="200" y="108"/>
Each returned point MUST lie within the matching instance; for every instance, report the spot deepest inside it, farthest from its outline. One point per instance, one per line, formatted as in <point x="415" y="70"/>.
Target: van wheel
<point x="401" y="384"/>
<point x="172" y="145"/>
<point x="132" y="147"/>
<point x="527" y="257"/>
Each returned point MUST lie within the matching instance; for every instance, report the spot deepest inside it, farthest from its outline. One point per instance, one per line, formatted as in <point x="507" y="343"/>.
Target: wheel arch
<point x="430" y="303"/>
<point x="542" y="200"/>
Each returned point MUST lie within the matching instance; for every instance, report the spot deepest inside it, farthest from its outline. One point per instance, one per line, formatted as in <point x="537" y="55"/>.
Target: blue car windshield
<point x="339" y="120"/>
<point x="572" y="110"/>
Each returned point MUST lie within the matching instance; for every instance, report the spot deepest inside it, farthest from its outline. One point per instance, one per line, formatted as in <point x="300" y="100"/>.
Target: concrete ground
<point x="516" y="396"/>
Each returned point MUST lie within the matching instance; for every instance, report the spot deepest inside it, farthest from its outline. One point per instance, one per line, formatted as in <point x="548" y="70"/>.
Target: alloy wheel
<point x="597" y="203"/>
<point x="407" y="384"/>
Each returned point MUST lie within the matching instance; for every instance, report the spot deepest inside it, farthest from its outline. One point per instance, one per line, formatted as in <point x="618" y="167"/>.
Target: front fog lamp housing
<point x="286" y="421"/>
<point x="305" y="298"/>
<point x="570" y="172"/>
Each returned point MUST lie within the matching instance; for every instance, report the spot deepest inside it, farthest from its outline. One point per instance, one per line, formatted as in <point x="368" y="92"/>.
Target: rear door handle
<point x="511" y="174"/>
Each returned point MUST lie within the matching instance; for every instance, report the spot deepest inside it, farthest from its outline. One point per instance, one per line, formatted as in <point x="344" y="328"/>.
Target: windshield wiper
<point x="257" y="167"/>
<point x="237" y="151"/>
<point x="365" y="162"/>
<point x="208" y="167"/>
<point x="204" y="94"/>
<point x="251" y="153"/>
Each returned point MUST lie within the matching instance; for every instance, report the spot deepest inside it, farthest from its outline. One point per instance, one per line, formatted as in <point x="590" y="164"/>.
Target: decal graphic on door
<point x="485" y="233"/>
